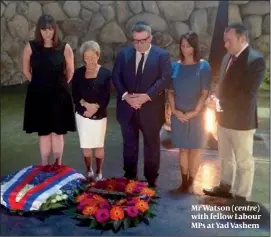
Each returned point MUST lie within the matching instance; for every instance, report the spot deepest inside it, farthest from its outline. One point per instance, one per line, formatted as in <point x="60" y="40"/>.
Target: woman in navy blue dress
<point x="191" y="79"/>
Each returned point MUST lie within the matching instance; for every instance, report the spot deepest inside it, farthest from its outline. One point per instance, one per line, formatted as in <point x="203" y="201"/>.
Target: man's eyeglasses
<point x="142" y="41"/>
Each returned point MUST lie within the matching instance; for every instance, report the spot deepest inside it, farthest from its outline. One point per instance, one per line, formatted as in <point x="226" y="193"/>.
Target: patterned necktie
<point x="139" y="72"/>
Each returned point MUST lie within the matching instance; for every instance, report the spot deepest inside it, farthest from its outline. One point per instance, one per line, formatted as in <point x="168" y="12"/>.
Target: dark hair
<point x="193" y="40"/>
<point x="45" y="22"/>
<point x="141" y="26"/>
<point x="240" y="29"/>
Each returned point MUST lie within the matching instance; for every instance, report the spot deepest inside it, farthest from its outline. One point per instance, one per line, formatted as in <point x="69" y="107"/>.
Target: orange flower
<point x="91" y="202"/>
<point x="110" y="187"/>
<point x="116" y="214"/>
<point x="142" y="206"/>
<point x="98" y="198"/>
<point x="90" y="210"/>
<point x="120" y="202"/>
<point x="147" y="191"/>
<point x="81" y="197"/>
<point x="129" y="187"/>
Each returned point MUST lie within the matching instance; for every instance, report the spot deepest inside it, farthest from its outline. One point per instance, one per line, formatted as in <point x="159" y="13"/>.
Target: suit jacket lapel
<point x="131" y="67"/>
<point x="150" y="58"/>
<point x="238" y="64"/>
<point x="224" y="66"/>
<point x="133" y="62"/>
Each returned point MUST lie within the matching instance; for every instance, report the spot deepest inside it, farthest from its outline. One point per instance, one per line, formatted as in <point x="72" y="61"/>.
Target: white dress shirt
<point x="138" y="58"/>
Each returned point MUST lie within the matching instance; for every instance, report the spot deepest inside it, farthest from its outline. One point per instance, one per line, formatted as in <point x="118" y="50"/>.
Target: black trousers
<point x="151" y="137"/>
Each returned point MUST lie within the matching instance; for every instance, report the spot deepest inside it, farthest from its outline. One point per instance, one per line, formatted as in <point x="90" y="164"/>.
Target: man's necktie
<point x="233" y="59"/>
<point x="139" y="72"/>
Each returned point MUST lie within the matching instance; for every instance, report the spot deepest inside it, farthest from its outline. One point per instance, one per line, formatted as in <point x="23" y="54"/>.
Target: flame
<point x="210" y="121"/>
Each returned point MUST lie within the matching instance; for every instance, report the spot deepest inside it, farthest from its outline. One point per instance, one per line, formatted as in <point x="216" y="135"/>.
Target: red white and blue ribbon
<point x="41" y="191"/>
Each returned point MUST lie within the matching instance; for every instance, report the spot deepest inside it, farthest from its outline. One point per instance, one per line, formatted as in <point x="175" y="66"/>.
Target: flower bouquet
<point x="115" y="204"/>
<point x="40" y="188"/>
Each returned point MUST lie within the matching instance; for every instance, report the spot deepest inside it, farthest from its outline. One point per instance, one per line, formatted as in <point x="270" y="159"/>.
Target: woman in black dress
<point x="48" y="64"/>
<point x="91" y="93"/>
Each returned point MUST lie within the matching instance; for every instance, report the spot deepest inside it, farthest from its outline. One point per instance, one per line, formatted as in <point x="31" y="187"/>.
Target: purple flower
<point x="131" y="202"/>
<point x="100" y="184"/>
<point x="137" y="189"/>
<point x="102" y="215"/>
<point x="132" y="211"/>
<point x="80" y="207"/>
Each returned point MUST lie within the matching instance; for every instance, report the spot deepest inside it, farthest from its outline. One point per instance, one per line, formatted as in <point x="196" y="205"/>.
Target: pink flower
<point x="132" y="211"/>
<point x="102" y="215"/>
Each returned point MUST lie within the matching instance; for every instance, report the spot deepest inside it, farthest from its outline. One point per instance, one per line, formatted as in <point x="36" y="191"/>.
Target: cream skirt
<point x="91" y="132"/>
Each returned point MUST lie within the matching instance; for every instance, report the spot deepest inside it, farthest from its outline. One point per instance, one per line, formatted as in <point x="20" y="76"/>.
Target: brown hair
<point x="45" y="22"/>
<point x="193" y="40"/>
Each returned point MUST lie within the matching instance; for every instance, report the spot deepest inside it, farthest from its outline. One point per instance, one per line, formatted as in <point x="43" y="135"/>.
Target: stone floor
<point x="174" y="214"/>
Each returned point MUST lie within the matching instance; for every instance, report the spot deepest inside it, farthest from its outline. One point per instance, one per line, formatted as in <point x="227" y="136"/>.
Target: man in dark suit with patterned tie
<point x="140" y="75"/>
<point x="242" y="72"/>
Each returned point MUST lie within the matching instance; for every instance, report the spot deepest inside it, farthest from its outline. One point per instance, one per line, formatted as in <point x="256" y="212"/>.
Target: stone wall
<point x="110" y="22"/>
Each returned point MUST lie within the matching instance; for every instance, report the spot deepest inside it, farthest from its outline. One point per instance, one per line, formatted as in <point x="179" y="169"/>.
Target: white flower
<point x="29" y="186"/>
<point x="58" y="198"/>
<point x="19" y="196"/>
<point x="23" y="192"/>
<point x="53" y="201"/>
<point x="65" y="196"/>
<point x="59" y="192"/>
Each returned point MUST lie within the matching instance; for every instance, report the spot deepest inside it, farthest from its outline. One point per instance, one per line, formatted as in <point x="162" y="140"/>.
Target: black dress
<point x="48" y="103"/>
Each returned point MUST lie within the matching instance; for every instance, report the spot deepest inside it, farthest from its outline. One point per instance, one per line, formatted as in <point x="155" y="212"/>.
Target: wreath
<point x="40" y="188"/>
<point x="115" y="204"/>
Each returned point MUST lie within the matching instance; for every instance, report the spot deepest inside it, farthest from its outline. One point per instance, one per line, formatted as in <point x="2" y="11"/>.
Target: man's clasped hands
<point x="136" y="100"/>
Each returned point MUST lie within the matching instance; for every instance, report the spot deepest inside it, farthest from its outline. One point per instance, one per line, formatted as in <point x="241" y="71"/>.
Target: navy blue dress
<point x="187" y="82"/>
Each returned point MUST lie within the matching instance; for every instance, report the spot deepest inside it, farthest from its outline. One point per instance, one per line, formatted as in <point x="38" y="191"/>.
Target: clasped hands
<point x="91" y="108"/>
<point x="184" y="117"/>
<point x="213" y="103"/>
<point x="136" y="100"/>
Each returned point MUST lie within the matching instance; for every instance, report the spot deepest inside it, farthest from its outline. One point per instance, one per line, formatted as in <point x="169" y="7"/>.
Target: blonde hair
<point x="90" y="45"/>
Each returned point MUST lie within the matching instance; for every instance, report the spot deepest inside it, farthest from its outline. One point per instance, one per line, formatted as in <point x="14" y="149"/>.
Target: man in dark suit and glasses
<point x="242" y="71"/>
<point x="140" y="75"/>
